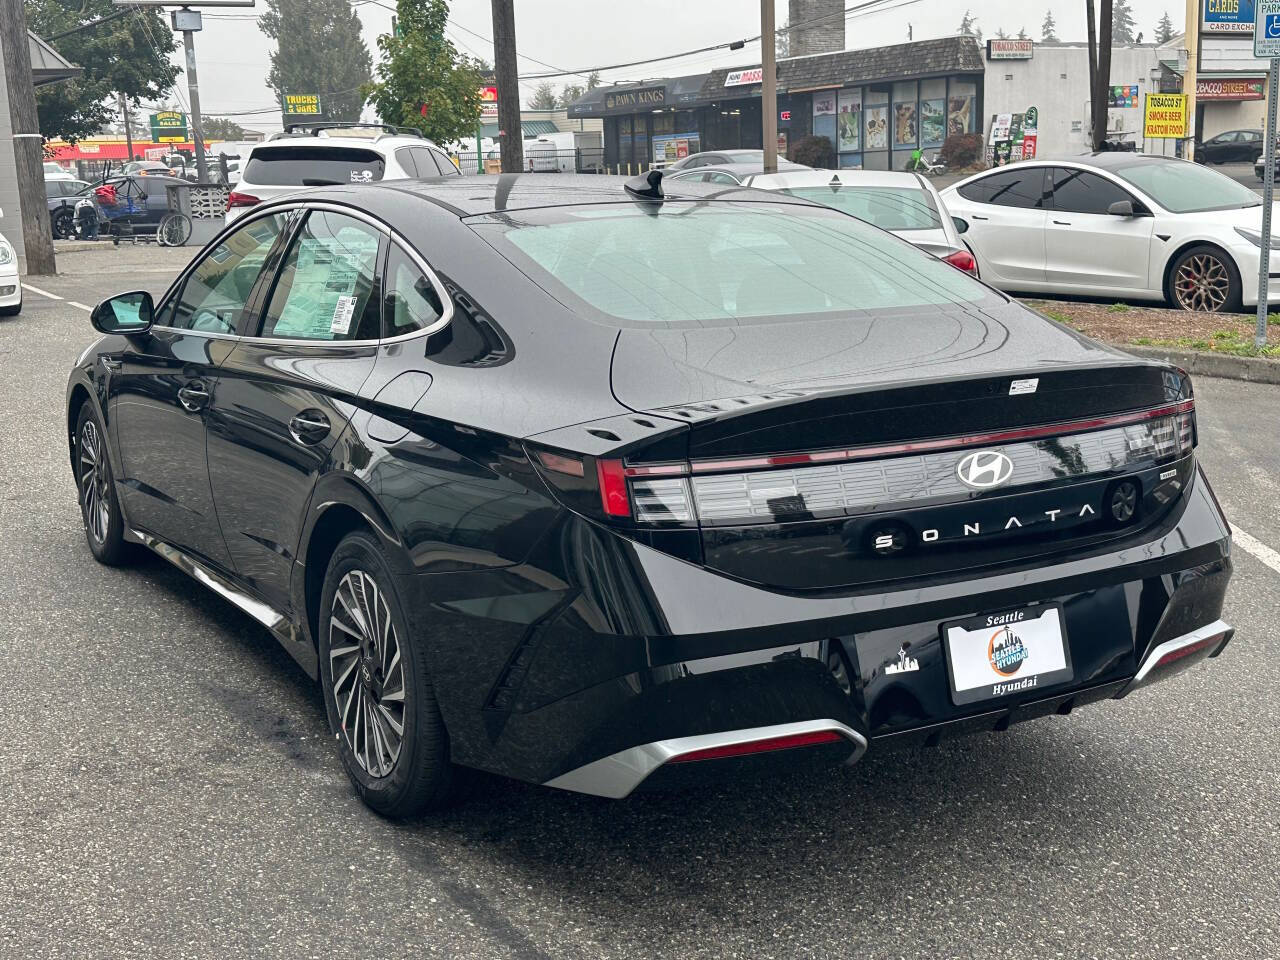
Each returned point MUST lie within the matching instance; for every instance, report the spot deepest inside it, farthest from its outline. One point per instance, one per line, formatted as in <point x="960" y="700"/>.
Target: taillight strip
<point x="915" y="446"/>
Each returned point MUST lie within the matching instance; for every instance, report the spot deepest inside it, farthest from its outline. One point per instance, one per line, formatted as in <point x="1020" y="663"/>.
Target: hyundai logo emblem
<point x="984" y="469"/>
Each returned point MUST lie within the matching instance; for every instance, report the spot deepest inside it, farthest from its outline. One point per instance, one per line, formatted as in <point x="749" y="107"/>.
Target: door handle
<point x="193" y="396"/>
<point x="976" y="217"/>
<point x="111" y="363"/>
<point x="1063" y="223"/>
<point x="309" y="427"/>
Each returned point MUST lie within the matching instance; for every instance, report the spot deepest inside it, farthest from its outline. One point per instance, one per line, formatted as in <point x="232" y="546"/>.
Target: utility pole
<point x="1091" y="31"/>
<point x="28" y="153"/>
<point x="510" y="132"/>
<point x="1102" y="93"/>
<point x="768" y="87"/>
<point x="128" y="129"/>
<point x="189" y="21"/>
<point x="1191" y="38"/>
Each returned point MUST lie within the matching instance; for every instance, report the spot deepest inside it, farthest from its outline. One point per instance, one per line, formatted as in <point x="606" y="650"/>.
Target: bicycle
<point x="919" y="163"/>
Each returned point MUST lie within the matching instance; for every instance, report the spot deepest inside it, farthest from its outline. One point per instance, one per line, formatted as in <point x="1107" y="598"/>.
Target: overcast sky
<point x="232" y="54"/>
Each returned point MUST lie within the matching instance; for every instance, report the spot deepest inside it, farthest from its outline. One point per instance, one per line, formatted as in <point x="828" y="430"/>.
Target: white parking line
<point x="41" y="293"/>
<point x="1256" y="548"/>
<point x="81" y="306"/>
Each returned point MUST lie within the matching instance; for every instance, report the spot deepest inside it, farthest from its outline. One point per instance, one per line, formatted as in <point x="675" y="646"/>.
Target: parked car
<point x="10" y="282"/>
<point x="707" y="158"/>
<point x="731" y="174"/>
<point x="1233" y="146"/>
<point x="146" y="168"/>
<point x="1115" y="225"/>
<point x="905" y="204"/>
<point x="597" y="483"/>
<point x="141" y="205"/>
<point x="55" y="171"/>
<point x="61" y="196"/>
<point x="569" y="151"/>
<point x="1259" y="165"/>
<point x="332" y="154"/>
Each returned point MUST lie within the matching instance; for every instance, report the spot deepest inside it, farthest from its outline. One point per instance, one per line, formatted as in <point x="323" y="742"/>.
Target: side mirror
<point x="126" y="313"/>
<point x="1121" y="208"/>
<point x="962" y="225"/>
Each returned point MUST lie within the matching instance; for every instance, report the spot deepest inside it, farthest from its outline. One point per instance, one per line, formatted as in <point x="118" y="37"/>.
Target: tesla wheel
<point x="1205" y="280"/>
<point x="63" y="224"/>
<point x="103" y="522"/>
<point x="377" y="692"/>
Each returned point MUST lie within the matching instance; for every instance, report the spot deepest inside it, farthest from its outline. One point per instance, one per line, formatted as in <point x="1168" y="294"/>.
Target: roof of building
<point x="676" y="92"/>
<point x="47" y="65"/>
<point x="902" y="61"/>
<point x="530" y="128"/>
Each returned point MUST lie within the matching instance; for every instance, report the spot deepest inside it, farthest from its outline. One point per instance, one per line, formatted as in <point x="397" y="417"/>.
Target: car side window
<point x="1078" y="191"/>
<point x="447" y="166"/>
<point x="427" y="166"/>
<point x="411" y="301"/>
<point x="325" y="289"/>
<point x="214" y="295"/>
<point x="404" y="157"/>
<point x="1009" y="188"/>
<point x="718" y="177"/>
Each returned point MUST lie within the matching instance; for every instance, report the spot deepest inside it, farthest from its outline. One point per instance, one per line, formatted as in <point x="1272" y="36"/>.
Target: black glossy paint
<point x="556" y="636"/>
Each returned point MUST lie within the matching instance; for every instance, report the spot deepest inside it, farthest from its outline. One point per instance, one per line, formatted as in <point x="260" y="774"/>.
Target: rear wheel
<point x="63" y="223"/>
<point x="99" y="509"/>
<point x="377" y="692"/>
<point x="1204" y="280"/>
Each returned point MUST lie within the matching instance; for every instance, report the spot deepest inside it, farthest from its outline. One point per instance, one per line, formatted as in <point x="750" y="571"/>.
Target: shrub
<point x="814" y="151"/>
<point x="961" y="150"/>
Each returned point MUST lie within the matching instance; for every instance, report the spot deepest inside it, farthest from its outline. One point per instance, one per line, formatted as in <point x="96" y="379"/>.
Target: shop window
<point x="849" y="121"/>
<point x="961" y="98"/>
<point x="875" y="122"/>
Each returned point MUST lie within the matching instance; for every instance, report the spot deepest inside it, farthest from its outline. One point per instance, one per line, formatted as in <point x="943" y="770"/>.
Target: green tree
<point x="222" y="128"/>
<point x="571" y="92"/>
<point x="1164" y="29"/>
<point x="319" y="50"/>
<point x="1001" y="35"/>
<point x="422" y="79"/>
<point x="1022" y="33"/>
<point x="968" y="25"/>
<point x="544" y="97"/>
<point x="1049" y="28"/>
<point x="593" y="79"/>
<point x="128" y="56"/>
<point x="1121" y="23"/>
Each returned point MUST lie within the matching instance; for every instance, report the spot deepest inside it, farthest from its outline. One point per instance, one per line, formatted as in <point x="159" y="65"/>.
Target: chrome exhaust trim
<point x="1206" y="641"/>
<point x="616" y="775"/>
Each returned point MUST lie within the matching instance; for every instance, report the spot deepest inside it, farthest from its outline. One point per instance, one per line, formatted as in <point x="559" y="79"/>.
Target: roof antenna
<point x="647" y="186"/>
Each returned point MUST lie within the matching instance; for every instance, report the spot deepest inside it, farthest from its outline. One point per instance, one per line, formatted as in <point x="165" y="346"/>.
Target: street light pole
<point x="188" y="21"/>
<point x="768" y="87"/>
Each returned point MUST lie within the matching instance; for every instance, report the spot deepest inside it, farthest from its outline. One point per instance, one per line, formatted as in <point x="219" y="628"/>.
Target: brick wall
<point x="826" y="36"/>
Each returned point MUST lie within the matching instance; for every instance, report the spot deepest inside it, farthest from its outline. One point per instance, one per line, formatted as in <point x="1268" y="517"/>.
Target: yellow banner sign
<point x="301" y="104"/>
<point x="1165" y="115"/>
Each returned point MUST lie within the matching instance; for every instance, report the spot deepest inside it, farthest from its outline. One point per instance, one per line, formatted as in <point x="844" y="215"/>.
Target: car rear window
<point x="889" y="208"/>
<point x="704" y="262"/>
<point x="298" y="165"/>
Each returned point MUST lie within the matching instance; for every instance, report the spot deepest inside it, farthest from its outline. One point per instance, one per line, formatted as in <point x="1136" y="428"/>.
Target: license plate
<point x="1007" y="652"/>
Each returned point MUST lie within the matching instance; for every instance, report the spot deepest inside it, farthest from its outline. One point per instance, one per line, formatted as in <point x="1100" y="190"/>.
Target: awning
<point x="529" y="128"/>
<point x="47" y="65"/>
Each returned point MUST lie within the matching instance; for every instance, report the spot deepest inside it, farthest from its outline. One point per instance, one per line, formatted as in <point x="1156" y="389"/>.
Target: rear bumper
<point x="597" y="662"/>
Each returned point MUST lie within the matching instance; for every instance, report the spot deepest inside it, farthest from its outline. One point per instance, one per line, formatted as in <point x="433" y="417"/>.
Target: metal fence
<point x="541" y="160"/>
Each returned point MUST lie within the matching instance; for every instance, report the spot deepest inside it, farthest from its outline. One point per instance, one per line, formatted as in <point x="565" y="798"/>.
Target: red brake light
<point x="760" y="746"/>
<point x="963" y="260"/>
<point x="613" y="488"/>
<point x="241" y="200"/>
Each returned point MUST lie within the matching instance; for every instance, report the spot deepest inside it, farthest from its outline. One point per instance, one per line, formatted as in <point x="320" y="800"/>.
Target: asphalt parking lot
<point x="169" y="789"/>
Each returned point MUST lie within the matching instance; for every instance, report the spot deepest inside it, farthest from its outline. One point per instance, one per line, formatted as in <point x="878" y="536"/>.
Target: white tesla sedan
<point x="1116" y="225"/>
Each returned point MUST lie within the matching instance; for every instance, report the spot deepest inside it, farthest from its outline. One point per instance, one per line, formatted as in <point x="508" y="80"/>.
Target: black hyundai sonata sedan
<point x="597" y="483"/>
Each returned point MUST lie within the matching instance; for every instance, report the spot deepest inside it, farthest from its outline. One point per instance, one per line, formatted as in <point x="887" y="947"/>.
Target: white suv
<point x="331" y="154"/>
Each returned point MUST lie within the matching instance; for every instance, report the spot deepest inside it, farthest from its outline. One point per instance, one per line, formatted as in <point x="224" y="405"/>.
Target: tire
<point x="173" y="231"/>
<point x="96" y="492"/>
<point x="358" y="600"/>
<point x="63" y="223"/>
<point x="1220" y="291"/>
<point x="11" y="311"/>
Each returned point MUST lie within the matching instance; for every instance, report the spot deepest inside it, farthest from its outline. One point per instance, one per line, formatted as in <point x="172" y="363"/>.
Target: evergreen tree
<point x="968" y="25"/>
<point x="1022" y="33"/>
<point x="1049" y="28"/>
<point x="222" y="128"/>
<point x="318" y="50"/>
<point x="593" y="79"/>
<point x="1121" y="23"/>
<point x="422" y="79"/>
<point x="544" y="97"/>
<point x="1164" y="29"/>
<point x="128" y="56"/>
<point x="1001" y="35"/>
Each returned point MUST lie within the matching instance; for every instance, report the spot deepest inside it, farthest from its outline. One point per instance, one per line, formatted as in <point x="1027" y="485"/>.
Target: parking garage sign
<point x="1266" y="29"/>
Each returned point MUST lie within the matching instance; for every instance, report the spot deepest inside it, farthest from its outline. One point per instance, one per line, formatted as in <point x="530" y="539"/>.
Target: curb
<point x="1226" y="366"/>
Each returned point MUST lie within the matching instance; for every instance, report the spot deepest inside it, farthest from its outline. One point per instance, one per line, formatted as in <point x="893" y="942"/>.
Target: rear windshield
<point x="298" y="165"/>
<point x="889" y="208"/>
<point x="708" y="261"/>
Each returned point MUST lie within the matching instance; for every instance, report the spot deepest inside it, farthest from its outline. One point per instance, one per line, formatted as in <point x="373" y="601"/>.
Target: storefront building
<point x="876" y="106"/>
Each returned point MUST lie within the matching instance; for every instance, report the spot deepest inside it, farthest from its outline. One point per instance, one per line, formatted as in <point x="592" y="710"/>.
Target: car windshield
<point x="1183" y="187"/>
<point x="704" y="262"/>
<point x="889" y="208"/>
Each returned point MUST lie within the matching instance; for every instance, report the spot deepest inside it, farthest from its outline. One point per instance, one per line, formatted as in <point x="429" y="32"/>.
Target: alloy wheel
<point x="94" y="479"/>
<point x="1202" y="283"/>
<point x="368" y="673"/>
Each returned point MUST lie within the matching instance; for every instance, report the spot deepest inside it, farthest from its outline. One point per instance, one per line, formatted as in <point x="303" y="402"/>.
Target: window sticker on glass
<point x="362" y="176"/>
<point x="343" y="311"/>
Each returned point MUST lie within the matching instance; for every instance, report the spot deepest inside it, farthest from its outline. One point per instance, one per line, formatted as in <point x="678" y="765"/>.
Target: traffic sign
<point x="1266" y="29"/>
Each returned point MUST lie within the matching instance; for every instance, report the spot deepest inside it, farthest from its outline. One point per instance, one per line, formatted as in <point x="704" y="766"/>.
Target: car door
<point x="1250" y="146"/>
<point x="286" y="390"/>
<point x="1006" y="214"/>
<point x="163" y="383"/>
<point x="1088" y="249"/>
<point x="1220" y="147"/>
